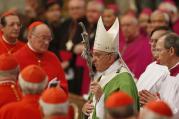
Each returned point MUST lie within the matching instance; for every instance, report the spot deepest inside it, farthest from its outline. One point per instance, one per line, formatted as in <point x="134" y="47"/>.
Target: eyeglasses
<point x="158" y="50"/>
<point x="153" y="41"/>
<point x="44" y="38"/>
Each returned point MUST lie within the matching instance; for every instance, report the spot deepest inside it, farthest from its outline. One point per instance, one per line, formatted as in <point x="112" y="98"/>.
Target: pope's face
<point x="101" y="60"/>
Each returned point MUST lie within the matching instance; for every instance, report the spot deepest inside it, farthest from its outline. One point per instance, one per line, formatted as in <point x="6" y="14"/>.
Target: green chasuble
<point x="124" y="82"/>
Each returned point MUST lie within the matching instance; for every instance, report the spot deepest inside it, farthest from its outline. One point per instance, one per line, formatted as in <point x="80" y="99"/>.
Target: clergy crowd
<point x="134" y="60"/>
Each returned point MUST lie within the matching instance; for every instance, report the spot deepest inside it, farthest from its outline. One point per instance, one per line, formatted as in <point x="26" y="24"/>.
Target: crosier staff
<point x="87" y="55"/>
<point x="86" y="52"/>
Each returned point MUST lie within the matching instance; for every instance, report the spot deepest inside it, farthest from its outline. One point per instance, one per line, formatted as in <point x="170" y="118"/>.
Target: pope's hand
<point x="96" y="89"/>
<point x="87" y="108"/>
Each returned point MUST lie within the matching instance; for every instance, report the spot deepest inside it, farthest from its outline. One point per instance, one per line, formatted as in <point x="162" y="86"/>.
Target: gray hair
<point x="100" y="7"/>
<point x="32" y="88"/>
<point x="166" y="16"/>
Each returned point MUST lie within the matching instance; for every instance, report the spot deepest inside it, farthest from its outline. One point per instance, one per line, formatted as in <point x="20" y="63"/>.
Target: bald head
<point x="41" y="28"/>
<point x="76" y="9"/>
<point x="168" y="7"/>
<point x="95" y="4"/>
<point x="171" y="10"/>
<point x="130" y="27"/>
<point x="129" y="19"/>
<point x="159" y="18"/>
<point x="39" y="38"/>
<point x="94" y="10"/>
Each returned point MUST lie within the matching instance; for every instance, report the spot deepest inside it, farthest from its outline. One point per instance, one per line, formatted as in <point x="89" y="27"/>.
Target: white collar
<point x="7" y="81"/>
<point x="4" y="39"/>
<point x="28" y="44"/>
<point x="114" y="67"/>
<point x="175" y="65"/>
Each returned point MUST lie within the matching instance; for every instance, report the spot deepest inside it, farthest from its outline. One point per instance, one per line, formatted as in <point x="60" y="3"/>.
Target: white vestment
<point x="152" y="78"/>
<point x="107" y="75"/>
<point x="169" y="92"/>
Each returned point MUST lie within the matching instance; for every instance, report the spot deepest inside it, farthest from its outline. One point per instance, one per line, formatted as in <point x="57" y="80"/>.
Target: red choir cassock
<point x="175" y="27"/>
<point x="175" y="70"/>
<point x="27" y="108"/>
<point x="48" y="61"/>
<point x="9" y="93"/>
<point x="9" y="48"/>
<point x="59" y="117"/>
<point x="137" y="55"/>
<point x="0" y="32"/>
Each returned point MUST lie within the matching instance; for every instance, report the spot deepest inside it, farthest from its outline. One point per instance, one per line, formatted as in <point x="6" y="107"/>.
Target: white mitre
<point x="107" y="40"/>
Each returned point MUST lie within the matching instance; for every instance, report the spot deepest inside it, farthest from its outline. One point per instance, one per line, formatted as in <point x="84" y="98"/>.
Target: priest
<point x="136" y="51"/>
<point x="119" y="105"/>
<point x="167" y="48"/>
<point x="10" y="31"/>
<point x="32" y="81"/>
<point x="36" y="52"/>
<point x="9" y="70"/>
<point x="114" y="74"/>
<point x="156" y="110"/>
<point x="54" y="103"/>
<point x="155" y="73"/>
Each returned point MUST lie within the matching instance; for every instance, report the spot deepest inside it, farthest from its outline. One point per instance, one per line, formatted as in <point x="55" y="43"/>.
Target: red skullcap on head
<point x="170" y="1"/>
<point x="113" y="7"/>
<point x="54" y="101"/>
<point x="54" y="95"/>
<point x="34" y="24"/>
<point x="7" y="62"/>
<point x="131" y="12"/>
<point x="159" y="107"/>
<point x="8" y="13"/>
<point x="147" y="11"/>
<point x="1" y="32"/>
<point x="33" y="74"/>
<point x="118" y="99"/>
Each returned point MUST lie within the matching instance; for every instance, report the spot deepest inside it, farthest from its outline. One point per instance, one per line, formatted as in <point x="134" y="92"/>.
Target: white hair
<point x="13" y="73"/>
<point x="131" y="17"/>
<point x="32" y="88"/>
<point x="168" y="6"/>
<point x="166" y="16"/>
<point x="148" y="114"/>
<point x="54" y="109"/>
<point x="100" y="7"/>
